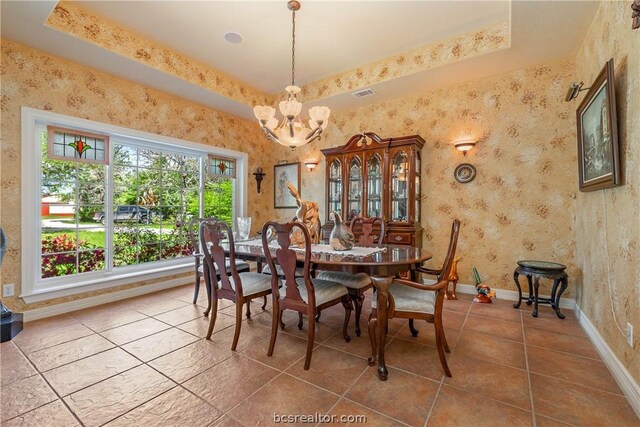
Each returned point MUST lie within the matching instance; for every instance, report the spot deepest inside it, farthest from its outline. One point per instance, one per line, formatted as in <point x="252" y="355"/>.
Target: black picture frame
<point x="282" y="174"/>
<point x="598" y="150"/>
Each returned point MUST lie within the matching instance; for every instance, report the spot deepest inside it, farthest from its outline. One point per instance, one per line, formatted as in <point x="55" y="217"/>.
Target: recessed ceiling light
<point x="232" y="37"/>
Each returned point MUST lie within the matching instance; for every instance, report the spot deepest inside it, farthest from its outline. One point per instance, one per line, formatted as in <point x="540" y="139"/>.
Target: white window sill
<point x="109" y="280"/>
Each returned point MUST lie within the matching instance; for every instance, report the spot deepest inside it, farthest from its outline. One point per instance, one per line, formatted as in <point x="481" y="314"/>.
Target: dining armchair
<point x="239" y="287"/>
<point x="412" y="300"/>
<point x="357" y="284"/>
<point x="193" y="230"/>
<point x="305" y="295"/>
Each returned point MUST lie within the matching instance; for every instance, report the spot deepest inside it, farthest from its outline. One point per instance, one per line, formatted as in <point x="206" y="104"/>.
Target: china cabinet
<point x="375" y="177"/>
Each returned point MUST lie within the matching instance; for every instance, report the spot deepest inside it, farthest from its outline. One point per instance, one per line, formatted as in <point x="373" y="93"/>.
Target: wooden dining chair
<point x="238" y="287"/>
<point x="357" y="284"/>
<point x="305" y="295"/>
<point x="267" y="270"/>
<point x="412" y="300"/>
<point x="193" y="230"/>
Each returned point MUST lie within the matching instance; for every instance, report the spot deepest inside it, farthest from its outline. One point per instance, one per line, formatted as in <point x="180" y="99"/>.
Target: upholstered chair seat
<point x="351" y="281"/>
<point x="325" y="290"/>
<point x="252" y="283"/>
<point x="410" y="299"/>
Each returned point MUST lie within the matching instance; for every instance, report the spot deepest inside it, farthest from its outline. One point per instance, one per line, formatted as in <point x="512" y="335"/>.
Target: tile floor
<point x="144" y="362"/>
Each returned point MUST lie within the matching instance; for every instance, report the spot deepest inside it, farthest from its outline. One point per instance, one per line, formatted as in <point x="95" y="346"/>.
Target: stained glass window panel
<point x="220" y="166"/>
<point x="79" y="146"/>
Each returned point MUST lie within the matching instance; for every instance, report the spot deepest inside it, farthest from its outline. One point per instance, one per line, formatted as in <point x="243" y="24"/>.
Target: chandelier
<point x="291" y="131"/>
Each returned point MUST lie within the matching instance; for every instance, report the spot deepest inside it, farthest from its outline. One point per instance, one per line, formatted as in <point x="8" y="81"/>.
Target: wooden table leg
<point x="536" y="284"/>
<point x="563" y="287"/>
<point x="382" y="285"/>
<point x="516" y="273"/>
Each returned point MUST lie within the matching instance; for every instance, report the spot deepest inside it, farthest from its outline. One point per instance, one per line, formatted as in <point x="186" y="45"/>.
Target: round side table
<point x="534" y="270"/>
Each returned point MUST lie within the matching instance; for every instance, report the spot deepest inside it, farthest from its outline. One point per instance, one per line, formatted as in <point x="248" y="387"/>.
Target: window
<point x="155" y="193"/>
<point x="115" y="213"/>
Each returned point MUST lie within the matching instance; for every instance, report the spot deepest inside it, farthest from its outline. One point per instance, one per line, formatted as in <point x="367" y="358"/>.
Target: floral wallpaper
<point x="455" y="49"/>
<point x="78" y="22"/>
<point x="521" y="204"/>
<point x="608" y="221"/>
<point x="35" y="79"/>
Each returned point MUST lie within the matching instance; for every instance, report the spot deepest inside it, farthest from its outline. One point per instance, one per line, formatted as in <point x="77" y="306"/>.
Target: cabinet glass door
<point x="400" y="187"/>
<point x="335" y="186"/>
<point x="354" y="196"/>
<point x="374" y="186"/>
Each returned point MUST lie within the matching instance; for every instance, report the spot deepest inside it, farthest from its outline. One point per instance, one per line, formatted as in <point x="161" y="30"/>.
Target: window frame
<point x="33" y="287"/>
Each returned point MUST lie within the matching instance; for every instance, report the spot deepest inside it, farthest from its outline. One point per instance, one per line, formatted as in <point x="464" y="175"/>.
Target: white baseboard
<point x="511" y="295"/>
<point x="627" y="383"/>
<point x="66" y="307"/>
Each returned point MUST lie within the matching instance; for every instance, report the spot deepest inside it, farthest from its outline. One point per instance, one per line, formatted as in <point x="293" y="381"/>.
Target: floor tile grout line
<point x="373" y="410"/>
<point x="143" y="403"/>
<point x="489" y="398"/>
<point x="343" y="396"/>
<point x="56" y="344"/>
<point x="526" y="361"/>
<point x="555" y="419"/>
<point x="52" y="389"/>
<point x="77" y="360"/>
<point x="433" y="404"/>
<point x="580" y="385"/>
<point x="469" y="331"/>
<point x="567" y="353"/>
<point x="162" y="355"/>
<point x="278" y="375"/>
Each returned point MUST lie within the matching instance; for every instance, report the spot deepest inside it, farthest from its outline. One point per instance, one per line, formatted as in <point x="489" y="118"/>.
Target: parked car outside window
<point x="128" y="213"/>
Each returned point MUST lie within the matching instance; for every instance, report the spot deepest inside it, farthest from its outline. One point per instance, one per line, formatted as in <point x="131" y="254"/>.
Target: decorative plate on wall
<point x="464" y="172"/>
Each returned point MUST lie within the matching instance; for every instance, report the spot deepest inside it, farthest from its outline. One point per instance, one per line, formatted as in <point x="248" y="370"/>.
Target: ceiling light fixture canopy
<point x="291" y="131"/>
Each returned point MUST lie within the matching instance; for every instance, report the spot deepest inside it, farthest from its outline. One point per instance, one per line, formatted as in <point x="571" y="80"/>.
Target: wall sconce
<point x="259" y="174"/>
<point x="311" y="165"/>
<point x="464" y="145"/>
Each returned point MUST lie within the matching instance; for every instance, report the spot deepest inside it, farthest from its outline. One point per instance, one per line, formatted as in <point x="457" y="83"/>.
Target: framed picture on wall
<point x="283" y="174"/>
<point x="598" y="156"/>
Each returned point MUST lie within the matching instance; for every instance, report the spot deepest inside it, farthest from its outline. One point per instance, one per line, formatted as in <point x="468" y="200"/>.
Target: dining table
<point x="386" y="263"/>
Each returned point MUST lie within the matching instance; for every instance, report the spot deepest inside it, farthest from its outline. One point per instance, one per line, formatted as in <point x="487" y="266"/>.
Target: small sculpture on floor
<point x="485" y="294"/>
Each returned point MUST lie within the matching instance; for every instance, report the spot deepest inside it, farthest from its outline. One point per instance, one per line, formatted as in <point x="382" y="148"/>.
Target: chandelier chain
<point x="293" y="48"/>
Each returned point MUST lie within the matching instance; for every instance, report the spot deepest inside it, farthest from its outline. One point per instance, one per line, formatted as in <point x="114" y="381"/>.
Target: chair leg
<point x="357" y="302"/>
<point x="207" y="283"/>
<point x="236" y="334"/>
<point x="318" y="316"/>
<point x="412" y="328"/>
<point x="264" y="305"/>
<point x="311" y="332"/>
<point x="299" y="320"/>
<point x="444" y="341"/>
<point x="280" y="319"/>
<point x="373" y="322"/>
<point x="440" y="347"/>
<point x="197" y="287"/>
<point x="346" y="303"/>
<point x="275" y="316"/>
<point x="213" y="303"/>
<point x="248" y="309"/>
